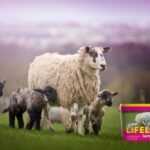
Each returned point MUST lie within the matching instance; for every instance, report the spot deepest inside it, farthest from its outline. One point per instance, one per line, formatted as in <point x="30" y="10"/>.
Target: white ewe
<point x="75" y="77"/>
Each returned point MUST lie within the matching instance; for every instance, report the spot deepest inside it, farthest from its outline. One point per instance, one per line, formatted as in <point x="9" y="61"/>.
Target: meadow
<point x="109" y="137"/>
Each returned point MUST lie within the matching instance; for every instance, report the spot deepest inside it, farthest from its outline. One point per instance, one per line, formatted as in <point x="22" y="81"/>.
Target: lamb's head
<point x="106" y="97"/>
<point x="49" y="92"/>
<point x="2" y="87"/>
<point x="93" y="57"/>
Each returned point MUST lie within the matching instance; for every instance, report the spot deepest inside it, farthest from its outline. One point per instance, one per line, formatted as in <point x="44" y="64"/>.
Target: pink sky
<point x="126" y="11"/>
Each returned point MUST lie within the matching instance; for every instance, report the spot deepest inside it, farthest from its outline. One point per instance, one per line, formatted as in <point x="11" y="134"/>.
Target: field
<point x="15" y="139"/>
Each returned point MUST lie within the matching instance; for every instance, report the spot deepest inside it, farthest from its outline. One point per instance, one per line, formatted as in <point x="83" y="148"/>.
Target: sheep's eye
<point x="101" y="55"/>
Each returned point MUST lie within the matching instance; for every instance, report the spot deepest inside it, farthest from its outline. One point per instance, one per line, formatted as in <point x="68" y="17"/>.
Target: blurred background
<point x="31" y="27"/>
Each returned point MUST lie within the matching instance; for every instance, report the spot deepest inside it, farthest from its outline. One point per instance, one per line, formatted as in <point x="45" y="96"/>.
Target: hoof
<point x="69" y="130"/>
<point x="86" y="132"/>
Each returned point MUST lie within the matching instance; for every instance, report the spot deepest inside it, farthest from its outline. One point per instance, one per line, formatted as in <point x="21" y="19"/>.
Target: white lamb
<point x="143" y="119"/>
<point x="75" y="77"/>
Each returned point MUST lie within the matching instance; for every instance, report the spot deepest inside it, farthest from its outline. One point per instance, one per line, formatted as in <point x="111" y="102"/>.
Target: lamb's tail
<point x="5" y="110"/>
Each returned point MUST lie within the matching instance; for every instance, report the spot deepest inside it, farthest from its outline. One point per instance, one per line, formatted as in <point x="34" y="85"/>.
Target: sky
<point x="85" y="11"/>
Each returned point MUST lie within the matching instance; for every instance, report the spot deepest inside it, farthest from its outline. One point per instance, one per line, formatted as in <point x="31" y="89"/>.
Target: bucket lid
<point x="134" y="107"/>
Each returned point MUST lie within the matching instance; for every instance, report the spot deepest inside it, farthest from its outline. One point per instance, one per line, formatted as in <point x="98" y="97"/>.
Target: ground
<point x="109" y="138"/>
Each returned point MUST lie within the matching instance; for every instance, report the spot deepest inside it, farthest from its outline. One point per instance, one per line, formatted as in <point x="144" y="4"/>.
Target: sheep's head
<point x="107" y="97"/>
<point x="2" y="87"/>
<point x="93" y="57"/>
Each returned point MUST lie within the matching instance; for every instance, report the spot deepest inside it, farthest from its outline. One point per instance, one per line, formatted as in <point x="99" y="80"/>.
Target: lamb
<point x="59" y="115"/>
<point x="96" y="110"/>
<point x="75" y="77"/>
<point x="143" y="119"/>
<point x="2" y="84"/>
<point x="31" y="100"/>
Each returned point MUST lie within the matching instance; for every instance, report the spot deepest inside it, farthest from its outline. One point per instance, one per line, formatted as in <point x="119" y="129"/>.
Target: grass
<point x="15" y="139"/>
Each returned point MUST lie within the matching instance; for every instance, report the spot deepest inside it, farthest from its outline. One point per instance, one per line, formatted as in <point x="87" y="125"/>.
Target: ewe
<point x="75" y="77"/>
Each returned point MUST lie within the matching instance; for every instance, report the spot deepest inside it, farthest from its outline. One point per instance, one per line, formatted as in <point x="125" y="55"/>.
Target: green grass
<point x="15" y="139"/>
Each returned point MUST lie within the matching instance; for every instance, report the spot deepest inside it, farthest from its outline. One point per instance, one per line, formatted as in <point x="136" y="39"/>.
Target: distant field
<point x="15" y="139"/>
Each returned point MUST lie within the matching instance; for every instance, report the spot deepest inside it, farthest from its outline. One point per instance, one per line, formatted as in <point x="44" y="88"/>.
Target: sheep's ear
<point x="114" y="93"/>
<point x="87" y="49"/>
<point x="106" y="49"/>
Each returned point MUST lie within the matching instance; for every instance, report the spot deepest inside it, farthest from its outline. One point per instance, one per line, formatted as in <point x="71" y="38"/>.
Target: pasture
<point x="109" y="138"/>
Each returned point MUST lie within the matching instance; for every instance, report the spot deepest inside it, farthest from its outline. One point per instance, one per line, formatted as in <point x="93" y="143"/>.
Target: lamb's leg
<point x="46" y="116"/>
<point x="86" y="121"/>
<point x="38" y="119"/>
<point x="43" y="120"/>
<point x="86" y="126"/>
<point x="99" y="124"/>
<point x="12" y="119"/>
<point x="20" y="120"/>
<point x="95" y="125"/>
<point x="31" y="120"/>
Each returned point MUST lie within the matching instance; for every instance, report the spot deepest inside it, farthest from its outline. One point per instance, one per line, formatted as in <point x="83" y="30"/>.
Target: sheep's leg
<point x="73" y="118"/>
<point x="31" y="120"/>
<point x="80" y="124"/>
<point x="70" y="127"/>
<point x="38" y="119"/>
<point x="20" y="120"/>
<point x="11" y="119"/>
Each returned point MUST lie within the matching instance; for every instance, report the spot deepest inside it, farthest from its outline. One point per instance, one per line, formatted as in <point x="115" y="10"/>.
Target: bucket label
<point x="135" y="122"/>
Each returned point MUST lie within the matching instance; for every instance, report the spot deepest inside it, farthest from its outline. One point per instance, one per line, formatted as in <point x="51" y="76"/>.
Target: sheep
<point x="31" y="100"/>
<point x="96" y="110"/>
<point x="143" y="119"/>
<point x="2" y="84"/>
<point x="75" y="77"/>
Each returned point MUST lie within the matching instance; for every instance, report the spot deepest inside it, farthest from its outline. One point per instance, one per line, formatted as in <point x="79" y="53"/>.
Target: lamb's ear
<point x="106" y="49"/>
<point x="100" y="93"/>
<point x="40" y="90"/>
<point x="114" y="93"/>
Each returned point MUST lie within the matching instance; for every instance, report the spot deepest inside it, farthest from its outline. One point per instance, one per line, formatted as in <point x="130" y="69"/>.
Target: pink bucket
<point x="135" y="122"/>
